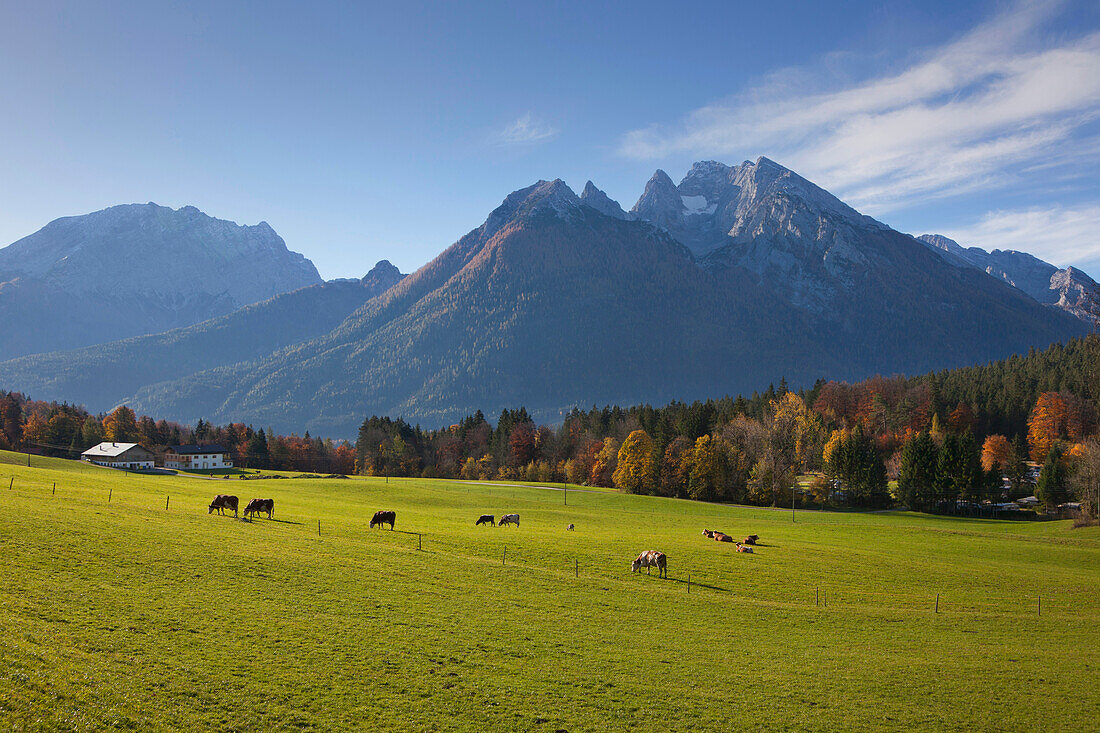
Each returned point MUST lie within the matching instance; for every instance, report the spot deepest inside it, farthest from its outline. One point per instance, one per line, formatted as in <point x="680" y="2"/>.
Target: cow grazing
<point x="486" y="519"/>
<point x="508" y="519"/>
<point x="722" y="537"/>
<point x="221" y="503"/>
<point x="258" y="506"/>
<point x="744" y="548"/>
<point x="570" y="528"/>
<point x="650" y="559"/>
<point x="383" y="517"/>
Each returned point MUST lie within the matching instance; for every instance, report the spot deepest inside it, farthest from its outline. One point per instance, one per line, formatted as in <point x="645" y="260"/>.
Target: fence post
<point x="54" y="492"/>
<point x="937" y="603"/>
<point x="11" y="483"/>
<point x="318" y="527"/>
<point x="689" y="582"/>
<point x="166" y="500"/>
<point x="1040" y="604"/>
<point x="817" y="596"/>
<point x="109" y="492"/>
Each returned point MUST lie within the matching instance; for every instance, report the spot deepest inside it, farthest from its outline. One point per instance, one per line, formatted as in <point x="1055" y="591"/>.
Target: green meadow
<point x="123" y="614"/>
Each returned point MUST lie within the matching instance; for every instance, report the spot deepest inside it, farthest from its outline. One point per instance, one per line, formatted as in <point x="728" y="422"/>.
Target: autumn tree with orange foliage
<point x="1052" y="419"/>
<point x="996" y="451"/>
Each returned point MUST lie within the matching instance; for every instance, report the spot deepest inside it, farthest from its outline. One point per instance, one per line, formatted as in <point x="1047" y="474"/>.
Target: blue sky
<point x="363" y="131"/>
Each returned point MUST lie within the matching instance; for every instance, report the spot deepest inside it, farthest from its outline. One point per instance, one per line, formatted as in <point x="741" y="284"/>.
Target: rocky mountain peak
<point x="382" y="276"/>
<point x="601" y="202"/>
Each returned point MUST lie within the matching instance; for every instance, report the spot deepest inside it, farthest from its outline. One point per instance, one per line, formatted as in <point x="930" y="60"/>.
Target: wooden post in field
<point x="937" y="603"/>
<point x="318" y="527"/>
<point x="168" y="499"/>
<point x="826" y="598"/>
<point x="689" y="582"/>
<point x="1040" y="604"/>
<point x="54" y="492"/>
<point x="817" y="596"/>
<point x="504" y="557"/>
<point x="109" y="492"/>
<point x="28" y="460"/>
<point x="11" y="483"/>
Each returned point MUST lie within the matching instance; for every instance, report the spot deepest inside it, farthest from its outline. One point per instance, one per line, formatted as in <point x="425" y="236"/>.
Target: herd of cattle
<point x="648" y="559"/>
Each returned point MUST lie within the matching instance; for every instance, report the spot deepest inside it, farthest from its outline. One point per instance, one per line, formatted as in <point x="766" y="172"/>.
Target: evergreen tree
<point x="1053" y="486"/>
<point x="917" y="477"/>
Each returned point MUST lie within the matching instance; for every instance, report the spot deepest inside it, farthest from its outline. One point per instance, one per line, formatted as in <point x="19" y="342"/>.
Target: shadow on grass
<point x="683" y="581"/>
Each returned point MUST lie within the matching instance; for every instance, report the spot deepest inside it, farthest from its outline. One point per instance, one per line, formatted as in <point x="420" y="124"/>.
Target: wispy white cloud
<point x="970" y="114"/>
<point x="526" y="129"/>
<point x="1060" y="235"/>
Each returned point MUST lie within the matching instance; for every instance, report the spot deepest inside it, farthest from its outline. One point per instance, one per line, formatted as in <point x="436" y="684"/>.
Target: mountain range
<point x="136" y="269"/>
<point x="721" y="284"/>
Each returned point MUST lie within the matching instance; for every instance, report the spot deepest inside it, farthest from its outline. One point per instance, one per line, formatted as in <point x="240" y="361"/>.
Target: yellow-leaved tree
<point x="637" y="469"/>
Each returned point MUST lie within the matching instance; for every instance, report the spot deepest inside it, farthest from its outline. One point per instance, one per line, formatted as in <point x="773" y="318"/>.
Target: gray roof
<point x="109" y="450"/>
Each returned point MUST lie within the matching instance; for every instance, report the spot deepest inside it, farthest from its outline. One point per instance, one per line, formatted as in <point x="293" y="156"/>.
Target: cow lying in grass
<point x="257" y="506"/>
<point x="508" y="519"/>
<point x="751" y="539"/>
<point x="486" y="519"/>
<point x="716" y="535"/>
<point x="744" y="548"/>
<point x="221" y="503"/>
<point x="383" y="517"/>
<point x="651" y="559"/>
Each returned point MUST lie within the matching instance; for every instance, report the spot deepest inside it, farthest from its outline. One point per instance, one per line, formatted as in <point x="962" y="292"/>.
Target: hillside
<point x="553" y="304"/>
<point x="133" y="270"/>
<point x="549" y="303"/>
<point x="138" y="617"/>
<point x="103" y="376"/>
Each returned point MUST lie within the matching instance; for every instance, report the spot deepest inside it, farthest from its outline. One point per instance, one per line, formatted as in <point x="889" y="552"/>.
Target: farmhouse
<point x="119" y="455"/>
<point x="192" y="457"/>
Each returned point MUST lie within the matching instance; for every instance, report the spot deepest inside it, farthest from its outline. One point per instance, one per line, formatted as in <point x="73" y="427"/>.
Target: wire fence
<point x="511" y="551"/>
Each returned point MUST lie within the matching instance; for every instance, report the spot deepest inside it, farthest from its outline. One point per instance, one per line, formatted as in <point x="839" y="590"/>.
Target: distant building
<point x="119" y="455"/>
<point x="197" y="457"/>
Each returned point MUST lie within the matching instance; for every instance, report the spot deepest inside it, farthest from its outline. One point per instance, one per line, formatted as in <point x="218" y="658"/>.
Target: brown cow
<point x="708" y="533"/>
<point x="744" y="548"/>
<point x="751" y="539"/>
<point x="256" y="506"/>
<point x="722" y="537"/>
<point x="221" y="503"/>
<point x="383" y="517"/>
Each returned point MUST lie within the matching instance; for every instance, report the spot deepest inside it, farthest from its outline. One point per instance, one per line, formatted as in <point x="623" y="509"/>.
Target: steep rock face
<point x="105" y="375"/>
<point x="1069" y="289"/>
<point x="136" y="269"/>
<point x="717" y="204"/>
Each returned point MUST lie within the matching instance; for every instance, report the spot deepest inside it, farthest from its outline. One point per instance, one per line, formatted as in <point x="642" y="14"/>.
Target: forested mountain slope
<point x="103" y="376"/>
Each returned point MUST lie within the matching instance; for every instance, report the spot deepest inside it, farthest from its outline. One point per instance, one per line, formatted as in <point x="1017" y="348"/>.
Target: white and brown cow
<point x="221" y="503"/>
<point x="508" y="519"/>
<point x="258" y="506"/>
<point x="651" y="559"/>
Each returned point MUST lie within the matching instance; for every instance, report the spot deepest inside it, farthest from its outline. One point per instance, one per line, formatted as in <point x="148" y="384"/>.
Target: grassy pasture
<point x="127" y="615"/>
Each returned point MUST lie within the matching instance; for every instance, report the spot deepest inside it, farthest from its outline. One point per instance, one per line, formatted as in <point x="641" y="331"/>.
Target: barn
<point x="119" y="455"/>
